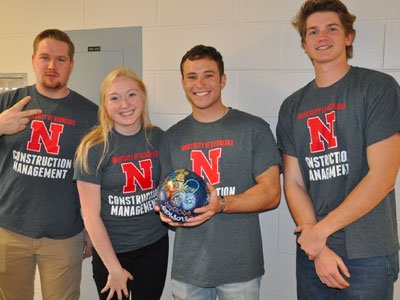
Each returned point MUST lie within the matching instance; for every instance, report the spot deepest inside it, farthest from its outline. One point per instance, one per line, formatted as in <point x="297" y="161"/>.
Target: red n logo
<point x="50" y="139"/>
<point x="207" y="167"/>
<point x="319" y="131"/>
<point x="143" y="177"/>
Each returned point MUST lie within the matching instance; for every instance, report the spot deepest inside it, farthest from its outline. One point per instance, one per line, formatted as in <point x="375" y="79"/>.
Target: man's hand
<point x="207" y="211"/>
<point x="330" y="269"/>
<point x="203" y="213"/>
<point x="165" y="219"/>
<point x="87" y="251"/>
<point x="311" y="239"/>
<point x="14" y="119"/>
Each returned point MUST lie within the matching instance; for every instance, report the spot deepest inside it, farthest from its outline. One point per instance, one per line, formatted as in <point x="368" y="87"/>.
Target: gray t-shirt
<point x="328" y="130"/>
<point x="229" y="153"/>
<point x="37" y="196"/>
<point x="129" y="178"/>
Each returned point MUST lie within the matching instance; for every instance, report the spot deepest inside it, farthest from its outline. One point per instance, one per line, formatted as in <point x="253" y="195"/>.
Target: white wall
<point x="263" y="59"/>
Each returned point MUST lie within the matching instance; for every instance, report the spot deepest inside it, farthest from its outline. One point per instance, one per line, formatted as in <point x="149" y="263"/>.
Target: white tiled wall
<point x="264" y="64"/>
<point x="392" y="49"/>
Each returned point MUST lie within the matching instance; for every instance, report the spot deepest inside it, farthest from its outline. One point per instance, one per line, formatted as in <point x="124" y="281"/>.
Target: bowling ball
<point x="180" y="193"/>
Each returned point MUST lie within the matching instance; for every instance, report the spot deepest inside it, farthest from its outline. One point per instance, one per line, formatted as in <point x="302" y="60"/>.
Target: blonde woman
<point x="117" y="171"/>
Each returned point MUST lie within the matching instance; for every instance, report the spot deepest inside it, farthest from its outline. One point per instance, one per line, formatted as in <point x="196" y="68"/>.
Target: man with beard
<point x="40" y="220"/>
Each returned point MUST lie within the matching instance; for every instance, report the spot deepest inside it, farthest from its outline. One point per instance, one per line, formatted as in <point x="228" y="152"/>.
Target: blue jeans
<point x="370" y="279"/>
<point x="249" y="290"/>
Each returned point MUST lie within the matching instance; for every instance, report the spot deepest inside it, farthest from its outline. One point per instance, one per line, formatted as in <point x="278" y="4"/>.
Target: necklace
<point x="226" y="109"/>
<point x="204" y="116"/>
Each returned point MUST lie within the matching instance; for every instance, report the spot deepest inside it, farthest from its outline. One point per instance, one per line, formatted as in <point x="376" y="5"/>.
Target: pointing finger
<point x="20" y="104"/>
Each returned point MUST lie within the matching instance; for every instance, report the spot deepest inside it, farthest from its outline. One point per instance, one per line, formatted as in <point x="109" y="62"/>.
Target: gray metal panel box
<point x="98" y="51"/>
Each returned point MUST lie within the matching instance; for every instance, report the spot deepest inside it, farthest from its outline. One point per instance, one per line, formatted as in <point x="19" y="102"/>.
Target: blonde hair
<point x="100" y="134"/>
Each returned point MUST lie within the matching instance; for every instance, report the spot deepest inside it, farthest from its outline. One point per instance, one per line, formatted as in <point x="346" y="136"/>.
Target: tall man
<point x="219" y="252"/>
<point x="339" y="136"/>
<point x="40" y="220"/>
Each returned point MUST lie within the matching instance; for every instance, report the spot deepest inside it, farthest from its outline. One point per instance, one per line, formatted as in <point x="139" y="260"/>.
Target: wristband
<point x="222" y="204"/>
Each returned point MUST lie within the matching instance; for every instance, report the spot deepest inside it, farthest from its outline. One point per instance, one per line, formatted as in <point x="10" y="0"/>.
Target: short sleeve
<point x="383" y="110"/>
<point x="284" y="131"/>
<point x="165" y="156"/>
<point x="94" y="175"/>
<point x="265" y="151"/>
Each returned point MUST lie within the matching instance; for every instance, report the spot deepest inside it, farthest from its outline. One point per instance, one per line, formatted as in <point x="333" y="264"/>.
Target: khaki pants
<point x="59" y="263"/>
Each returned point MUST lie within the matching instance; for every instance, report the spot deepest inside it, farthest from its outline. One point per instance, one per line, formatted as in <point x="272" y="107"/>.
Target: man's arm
<point x="328" y="265"/>
<point x="383" y="161"/>
<point x="264" y="195"/>
<point x="297" y="198"/>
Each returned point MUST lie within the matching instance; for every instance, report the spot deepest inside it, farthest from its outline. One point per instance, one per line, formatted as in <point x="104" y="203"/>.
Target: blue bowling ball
<point x="180" y="193"/>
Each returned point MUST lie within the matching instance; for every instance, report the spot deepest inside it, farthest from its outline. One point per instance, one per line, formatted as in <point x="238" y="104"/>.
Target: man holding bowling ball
<point x="219" y="251"/>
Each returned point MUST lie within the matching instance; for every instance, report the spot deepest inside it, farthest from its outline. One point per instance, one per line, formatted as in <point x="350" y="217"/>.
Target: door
<point x="98" y="51"/>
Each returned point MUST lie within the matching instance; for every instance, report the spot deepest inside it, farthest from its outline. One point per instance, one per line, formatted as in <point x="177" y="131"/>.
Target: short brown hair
<point x="57" y="35"/>
<point x="200" y="52"/>
<point x="312" y="6"/>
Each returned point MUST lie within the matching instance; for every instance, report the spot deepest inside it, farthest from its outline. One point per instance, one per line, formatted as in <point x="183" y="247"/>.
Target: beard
<point x="52" y="88"/>
<point x="53" y="84"/>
